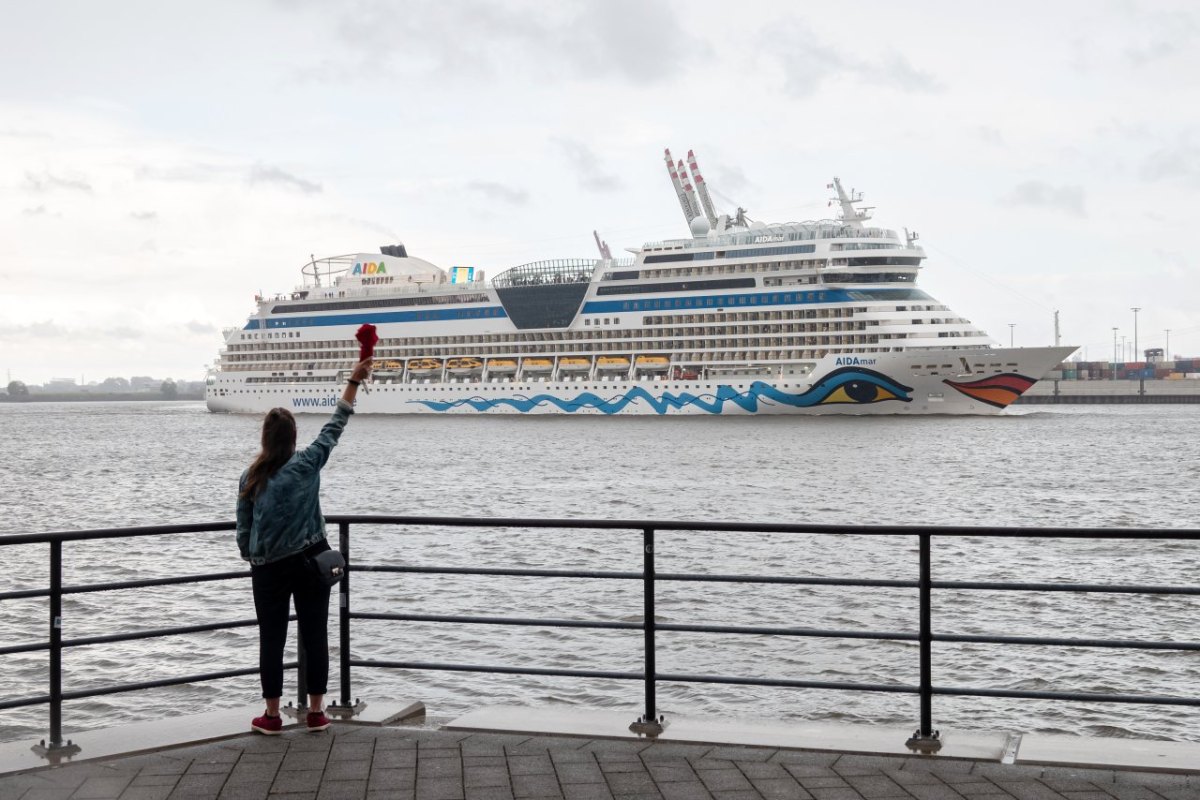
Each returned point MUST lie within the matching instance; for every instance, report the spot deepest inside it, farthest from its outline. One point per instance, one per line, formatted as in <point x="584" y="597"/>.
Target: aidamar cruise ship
<point x="739" y="317"/>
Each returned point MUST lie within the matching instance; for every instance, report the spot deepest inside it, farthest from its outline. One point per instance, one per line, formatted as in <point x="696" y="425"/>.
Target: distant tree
<point x="169" y="389"/>
<point x="17" y="389"/>
<point x="115" y="385"/>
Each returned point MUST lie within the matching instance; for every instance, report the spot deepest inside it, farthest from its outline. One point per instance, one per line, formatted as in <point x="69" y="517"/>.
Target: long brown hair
<point x="278" y="445"/>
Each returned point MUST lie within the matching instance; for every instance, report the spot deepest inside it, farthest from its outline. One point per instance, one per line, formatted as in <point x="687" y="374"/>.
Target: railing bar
<point x="804" y="632"/>
<point x="784" y="579"/>
<point x="546" y="623"/>
<point x="124" y="637"/>
<point x="1090" y="697"/>
<point x="39" y="700"/>
<point x="132" y="687"/>
<point x="1122" y="644"/>
<point x="499" y="670"/>
<point x="173" y="581"/>
<point x="529" y="573"/>
<point x="1099" y="588"/>
<point x="633" y="526"/>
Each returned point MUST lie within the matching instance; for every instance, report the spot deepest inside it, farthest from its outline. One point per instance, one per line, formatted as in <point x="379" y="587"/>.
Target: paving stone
<point x="609" y="746"/>
<point x="867" y="765"/>
<point x="245" y="790"/>
<point x="439" y="789"/>
<point x="250" y="772"/>
<point x="1029" y="790"/>
<point x="621" y="783"/>
<point x="573" y="756"/>
<point x="741" y="753"/>
<point x="199" y="785"/>
<point x="1096" y="795"/>
<point x="532" y="764"/>
<point x="154" y="779"/>
<point x="395" y="759"/>
<point x="579" y="772"/>
<point x="535" y="786"/>
<point x="147" y="793"/>
<point x="539" y="744"/>
<point x="669" y="772"/>
<point x="823" y="782"/>
<point x="487" y="793"/>
<point x="662" y="751"/>
<point x="587" y="791"/>
<point x="724" y="780"/>
<point x="303" y="760"/>
<point x="39" y="793"/>
<point x="351" y="751"/>
<point x="1008" y="772"/>
<point x="221" y="768"/>
<point x="297" y="780"/>
<point x="785" y="788"/>
<point x="799" y="771"/>
<point x="342" y="790"/>
<point x="1130" y="792"/>
<point x="933" y="791"/>
<point x="711" y="763"/>
<point x="1096" y="777"/>
<point x="1177" y="792"/>
<point x="296" y="796"/>
<point x="478" y="777"/>
<point x="762" y="769"/>
<point x="623" y="766"/>
<point x="484" y="761"/>
<point x="344" y="770"/>
<point x="684" y="790"/>
<point x="438" y="768"/>
<point x="389" y="778"/>
<point x="836" y="793"/>
<point x="906" y="777"/>
<point x="805" y="757"/>
<point x="735" y="795"/>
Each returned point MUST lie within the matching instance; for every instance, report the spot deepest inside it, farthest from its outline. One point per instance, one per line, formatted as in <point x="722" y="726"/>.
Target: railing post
<point x="343" y="707"/>
<point x="925" y="739"/>
<point x="56" y="748"/>
<point x="650" y="723"/>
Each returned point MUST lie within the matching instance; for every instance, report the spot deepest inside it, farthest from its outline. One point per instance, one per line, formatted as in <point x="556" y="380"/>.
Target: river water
<point x="71" y="466"/>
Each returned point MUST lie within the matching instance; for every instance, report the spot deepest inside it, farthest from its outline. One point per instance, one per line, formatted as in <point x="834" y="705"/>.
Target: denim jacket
<point x="286" y="518"/>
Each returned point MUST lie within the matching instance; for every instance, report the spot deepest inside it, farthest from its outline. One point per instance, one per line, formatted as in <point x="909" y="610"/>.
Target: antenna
<point x="693" y="208"/>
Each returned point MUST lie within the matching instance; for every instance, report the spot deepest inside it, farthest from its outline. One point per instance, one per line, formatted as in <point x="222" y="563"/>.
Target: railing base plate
<point x="643" y="726"/>
<point x="924" y="744"/>
<point x="348" y="711"/>
<point x="54" y="752"/>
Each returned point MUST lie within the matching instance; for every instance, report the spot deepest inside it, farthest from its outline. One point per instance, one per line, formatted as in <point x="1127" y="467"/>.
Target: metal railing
<point x="925" y="739"/>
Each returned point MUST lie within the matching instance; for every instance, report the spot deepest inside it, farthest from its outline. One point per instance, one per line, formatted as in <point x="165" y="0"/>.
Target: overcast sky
<point x="164" y="162"/>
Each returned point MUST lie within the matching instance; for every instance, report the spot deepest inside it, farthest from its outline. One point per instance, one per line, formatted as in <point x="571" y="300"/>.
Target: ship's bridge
<point x="545" y="294"/>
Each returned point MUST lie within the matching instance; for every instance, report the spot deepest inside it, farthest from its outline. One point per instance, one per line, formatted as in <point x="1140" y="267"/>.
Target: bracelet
<point x="353" y="382"/>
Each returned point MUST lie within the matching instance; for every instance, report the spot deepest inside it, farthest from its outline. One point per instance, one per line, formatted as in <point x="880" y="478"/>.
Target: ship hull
<point x="974" y="382"/>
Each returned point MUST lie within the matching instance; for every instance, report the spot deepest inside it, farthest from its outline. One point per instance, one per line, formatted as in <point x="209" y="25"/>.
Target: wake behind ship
<point x="740" y="317"/>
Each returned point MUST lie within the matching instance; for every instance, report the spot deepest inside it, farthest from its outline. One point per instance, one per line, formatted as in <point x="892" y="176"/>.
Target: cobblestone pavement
<point x="419" y="764"/>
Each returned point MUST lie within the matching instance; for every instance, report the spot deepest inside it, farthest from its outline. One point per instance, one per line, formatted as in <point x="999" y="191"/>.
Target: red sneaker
<point x="317" y="721"/>
<point x="271" y="726"/>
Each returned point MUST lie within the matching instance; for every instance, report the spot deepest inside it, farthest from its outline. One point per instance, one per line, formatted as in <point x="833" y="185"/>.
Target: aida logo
<point x="370" y="268"/>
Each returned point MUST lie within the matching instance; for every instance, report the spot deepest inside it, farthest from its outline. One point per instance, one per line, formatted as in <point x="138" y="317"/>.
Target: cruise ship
<point x="737" y="317"/>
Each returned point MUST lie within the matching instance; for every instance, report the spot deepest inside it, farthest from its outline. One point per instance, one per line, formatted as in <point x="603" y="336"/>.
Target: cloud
<point x="46" y="182"/>
<point x="34" y="212"/>
<point x="260" y="174"/>
<point x="808" y="63"/>
<point x="143" y="216"/>
<point x="122" y="332"/>
<point x="1167" y="35"/>
<point x="638" y="41"/>
<point x="200" y="328"/>
<point x="1040" y="194"/>
<point x="587" y="166"/>
<point x="1180" y="162"/>
<point x="499" y="191"/>
<point x="48" y="329"/>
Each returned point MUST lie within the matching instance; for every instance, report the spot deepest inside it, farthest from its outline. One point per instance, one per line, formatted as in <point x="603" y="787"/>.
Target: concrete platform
<point x="376" y="762"/>
<point x="711" y="761"/>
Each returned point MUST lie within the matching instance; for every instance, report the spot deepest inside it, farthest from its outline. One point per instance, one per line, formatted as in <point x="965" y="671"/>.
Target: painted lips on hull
<point x="996" y="390"/>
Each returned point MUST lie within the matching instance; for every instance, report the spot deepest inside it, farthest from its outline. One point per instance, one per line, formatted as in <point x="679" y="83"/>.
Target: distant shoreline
<point x="100" y="397"/>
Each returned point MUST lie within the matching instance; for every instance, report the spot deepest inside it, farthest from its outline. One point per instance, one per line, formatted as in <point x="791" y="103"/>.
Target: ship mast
<point x="685" y="203"/>
<point x="851" y="216"/>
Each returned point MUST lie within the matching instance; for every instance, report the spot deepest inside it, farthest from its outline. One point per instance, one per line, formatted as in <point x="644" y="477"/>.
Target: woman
<point x="279" y="527"/>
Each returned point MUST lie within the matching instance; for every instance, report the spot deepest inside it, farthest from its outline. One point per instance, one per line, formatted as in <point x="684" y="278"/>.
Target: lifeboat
<point x="386" y="363"/>
<point x="502" y="366"/>
<point x="463" y="366"/>
<point x="423" y="367"/>
<point x="574" y="364"/>
<point x="538" y="365"/>
<point x="612" y="363"/>
<point x="652" y="363"/>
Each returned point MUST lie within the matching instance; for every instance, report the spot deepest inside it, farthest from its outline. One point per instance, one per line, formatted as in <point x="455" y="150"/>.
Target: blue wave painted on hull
<point x="854" y="386"/>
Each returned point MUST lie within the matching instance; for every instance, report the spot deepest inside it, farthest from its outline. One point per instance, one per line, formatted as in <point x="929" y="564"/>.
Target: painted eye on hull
<point x="857" y="386"/>
<point x="859" y="392"/>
